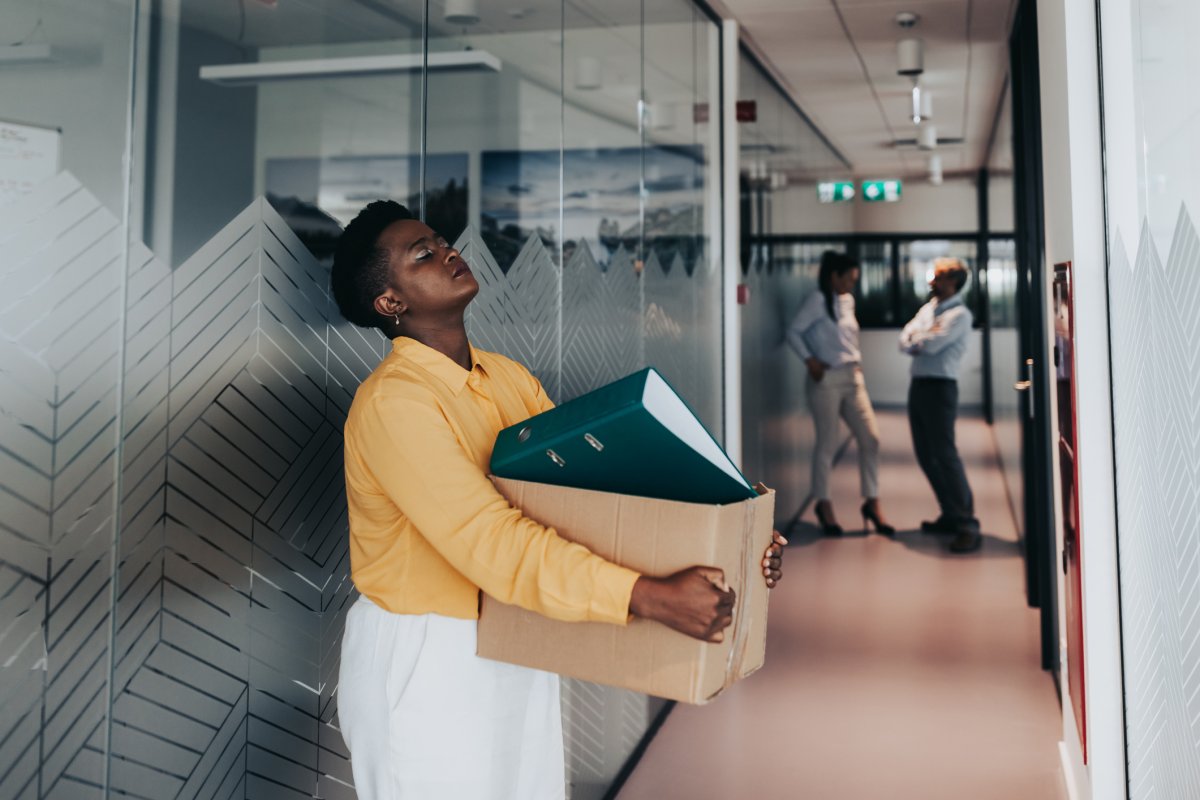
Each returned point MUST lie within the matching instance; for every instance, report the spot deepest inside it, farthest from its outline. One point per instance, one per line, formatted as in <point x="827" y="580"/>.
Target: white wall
<point x="1074" y="220"/>
<point x="795" y="209"/>
<point x="886" y="370"/>
<point x="1152" y="160"/>
<point x="1000" y="204"/>
<point x="922" y="208"/>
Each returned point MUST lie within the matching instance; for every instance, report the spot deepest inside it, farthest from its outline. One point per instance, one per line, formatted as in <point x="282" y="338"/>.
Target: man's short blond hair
<point x="955" y="267"/>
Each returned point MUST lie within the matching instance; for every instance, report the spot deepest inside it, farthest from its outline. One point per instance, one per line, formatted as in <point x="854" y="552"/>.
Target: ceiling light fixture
<point x="927" y="136"/>
<point x="350" y="67"/>
<point x="461" y="12"/>
<point x="916" y="103"/>
<point x="910" y="54"/>
<point x="935" y="169"/>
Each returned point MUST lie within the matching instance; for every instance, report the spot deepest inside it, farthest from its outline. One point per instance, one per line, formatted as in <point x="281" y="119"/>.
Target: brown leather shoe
<point x="965" y="542"/>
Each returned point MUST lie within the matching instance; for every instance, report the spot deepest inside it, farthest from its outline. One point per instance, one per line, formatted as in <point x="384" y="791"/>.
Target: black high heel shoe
<point x="872" y="515"/>
<point x="828" y="528"/>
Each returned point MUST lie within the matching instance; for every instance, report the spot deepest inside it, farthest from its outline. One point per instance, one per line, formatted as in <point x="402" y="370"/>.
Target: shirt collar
<point x="437" y="364"/>
<point x="950" y="302"/>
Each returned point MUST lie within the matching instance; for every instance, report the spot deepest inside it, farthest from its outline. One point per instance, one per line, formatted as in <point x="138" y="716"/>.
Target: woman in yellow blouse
<point x="422" y="715"/>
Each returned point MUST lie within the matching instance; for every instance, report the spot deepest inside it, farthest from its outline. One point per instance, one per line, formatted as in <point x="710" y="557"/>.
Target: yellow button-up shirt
<point x="427" y="528"/>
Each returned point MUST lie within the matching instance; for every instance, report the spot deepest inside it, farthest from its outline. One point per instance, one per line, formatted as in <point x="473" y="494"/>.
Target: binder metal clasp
<point x="593" y="441"/>
<point x="556" y="458"/>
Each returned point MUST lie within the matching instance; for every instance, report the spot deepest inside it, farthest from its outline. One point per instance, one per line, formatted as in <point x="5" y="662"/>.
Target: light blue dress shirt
<point x="936" y="338"/>
<point x="834" y="342"/>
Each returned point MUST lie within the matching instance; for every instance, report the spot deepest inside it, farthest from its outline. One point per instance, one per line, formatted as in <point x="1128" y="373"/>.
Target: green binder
<point x="633" y="436"/>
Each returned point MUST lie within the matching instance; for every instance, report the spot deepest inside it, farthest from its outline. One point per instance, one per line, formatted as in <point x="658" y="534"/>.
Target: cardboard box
<point x="654" y="537"/>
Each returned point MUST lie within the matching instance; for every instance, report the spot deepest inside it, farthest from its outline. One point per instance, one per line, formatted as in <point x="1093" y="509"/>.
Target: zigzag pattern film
<point x="1156" y="385"/>
<point x="666" y="323"/>
<point x="602" y="321"/>
<point x="604" y="332"/>
<point x="233" y="570"/>
<point x="755" y="332"/>
<point x="233" y="547"/>
<point x="517" y="313"/>
<point x="231" y="603"/>
<point x="681" y="327"/>
<point x="61" y="262"/>
<point x="777" y="435"/>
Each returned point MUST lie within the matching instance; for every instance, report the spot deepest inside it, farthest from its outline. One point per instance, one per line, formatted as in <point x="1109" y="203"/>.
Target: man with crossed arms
<point x="936" y="338"/>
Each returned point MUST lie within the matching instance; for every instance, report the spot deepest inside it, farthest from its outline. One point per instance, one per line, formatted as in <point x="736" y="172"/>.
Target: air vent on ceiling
<point x="902" y="144"/>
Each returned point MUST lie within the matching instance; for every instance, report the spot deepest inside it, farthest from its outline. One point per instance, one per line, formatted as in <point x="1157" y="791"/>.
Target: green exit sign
<point x="835" y="191"/>
<point x="881" y="191"/>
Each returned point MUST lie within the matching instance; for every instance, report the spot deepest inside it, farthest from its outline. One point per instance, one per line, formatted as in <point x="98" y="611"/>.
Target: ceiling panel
<point x="816" y="47"/>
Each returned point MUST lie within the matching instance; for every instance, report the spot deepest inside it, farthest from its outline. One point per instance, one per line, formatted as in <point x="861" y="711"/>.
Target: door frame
<point x="1041" y="558"/>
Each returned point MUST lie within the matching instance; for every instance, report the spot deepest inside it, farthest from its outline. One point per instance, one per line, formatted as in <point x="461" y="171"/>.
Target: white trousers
<point x="425" y="718"/>
<point x="842" y="394"/>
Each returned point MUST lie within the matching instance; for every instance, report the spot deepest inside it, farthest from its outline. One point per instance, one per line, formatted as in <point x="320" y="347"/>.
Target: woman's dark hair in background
<point x="360" y="268"/>
<point x="833" y="263"/>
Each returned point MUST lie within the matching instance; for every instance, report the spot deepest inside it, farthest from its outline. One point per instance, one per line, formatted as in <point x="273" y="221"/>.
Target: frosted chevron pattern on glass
<point x="777" y="433"/>
<point x="605" y="329"/>
<point x="233" y="575"/>
<point x="230" y="378"/>
<point x="602" y="312"/>
<point x="233" y="570"/>
<point x="1156" y="393"/>
<point x="680" y="327"/>
<point x="61" y="264"/>
<point x="517" y="313"/>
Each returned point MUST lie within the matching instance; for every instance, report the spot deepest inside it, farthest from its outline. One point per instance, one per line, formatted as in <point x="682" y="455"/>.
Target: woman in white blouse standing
<point x="825" y="334"/>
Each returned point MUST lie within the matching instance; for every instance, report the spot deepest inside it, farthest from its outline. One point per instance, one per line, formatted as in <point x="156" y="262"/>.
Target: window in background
<point x="1002" y="282"/>
<point x="803" y="259"/>
<point x="875" y="295"/>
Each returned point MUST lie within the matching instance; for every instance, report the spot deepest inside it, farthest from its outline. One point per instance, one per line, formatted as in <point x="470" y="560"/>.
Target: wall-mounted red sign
<point x="1068" y="464"/>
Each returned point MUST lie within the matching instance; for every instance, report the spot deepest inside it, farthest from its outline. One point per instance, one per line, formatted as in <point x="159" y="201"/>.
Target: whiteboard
<point x="28" y="157"/>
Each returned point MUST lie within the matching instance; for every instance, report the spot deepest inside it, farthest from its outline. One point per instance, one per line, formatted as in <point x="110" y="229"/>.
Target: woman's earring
<point x="397" y="319"/>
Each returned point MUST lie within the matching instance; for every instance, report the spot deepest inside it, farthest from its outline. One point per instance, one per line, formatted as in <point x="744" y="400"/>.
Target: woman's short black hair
<point x="360" y="267"/>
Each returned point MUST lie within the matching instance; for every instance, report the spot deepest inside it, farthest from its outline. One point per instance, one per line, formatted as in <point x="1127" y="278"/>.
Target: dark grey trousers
<point x="932" y="410"/>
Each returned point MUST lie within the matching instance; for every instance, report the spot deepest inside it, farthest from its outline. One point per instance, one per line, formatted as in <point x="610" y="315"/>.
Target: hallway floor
<point x="894" y="670"/>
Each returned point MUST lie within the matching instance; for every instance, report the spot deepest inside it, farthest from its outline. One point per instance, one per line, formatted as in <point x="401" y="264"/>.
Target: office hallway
<point x="894" y="671"/>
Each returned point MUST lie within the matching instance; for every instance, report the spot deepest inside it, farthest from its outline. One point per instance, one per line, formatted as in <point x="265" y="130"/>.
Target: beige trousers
<point x="842" y="394"/>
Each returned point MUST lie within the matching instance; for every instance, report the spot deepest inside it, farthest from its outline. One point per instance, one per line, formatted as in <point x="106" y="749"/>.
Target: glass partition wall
<point x="777" y="147"/>
<point x="173" y="550"/>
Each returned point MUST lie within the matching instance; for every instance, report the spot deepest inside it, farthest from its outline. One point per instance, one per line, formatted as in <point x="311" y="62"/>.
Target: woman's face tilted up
<point x="427" y="278"/>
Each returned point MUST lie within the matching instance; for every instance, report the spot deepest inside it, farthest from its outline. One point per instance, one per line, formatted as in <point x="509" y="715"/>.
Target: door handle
<point x="1028" y="387"/>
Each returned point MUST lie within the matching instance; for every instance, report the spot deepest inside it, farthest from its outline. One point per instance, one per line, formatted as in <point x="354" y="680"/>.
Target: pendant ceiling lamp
<point x="462" y="12"/>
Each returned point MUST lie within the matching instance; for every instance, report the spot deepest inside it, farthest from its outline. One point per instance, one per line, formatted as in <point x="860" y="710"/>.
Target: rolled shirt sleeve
<point x="809" y="313"/>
